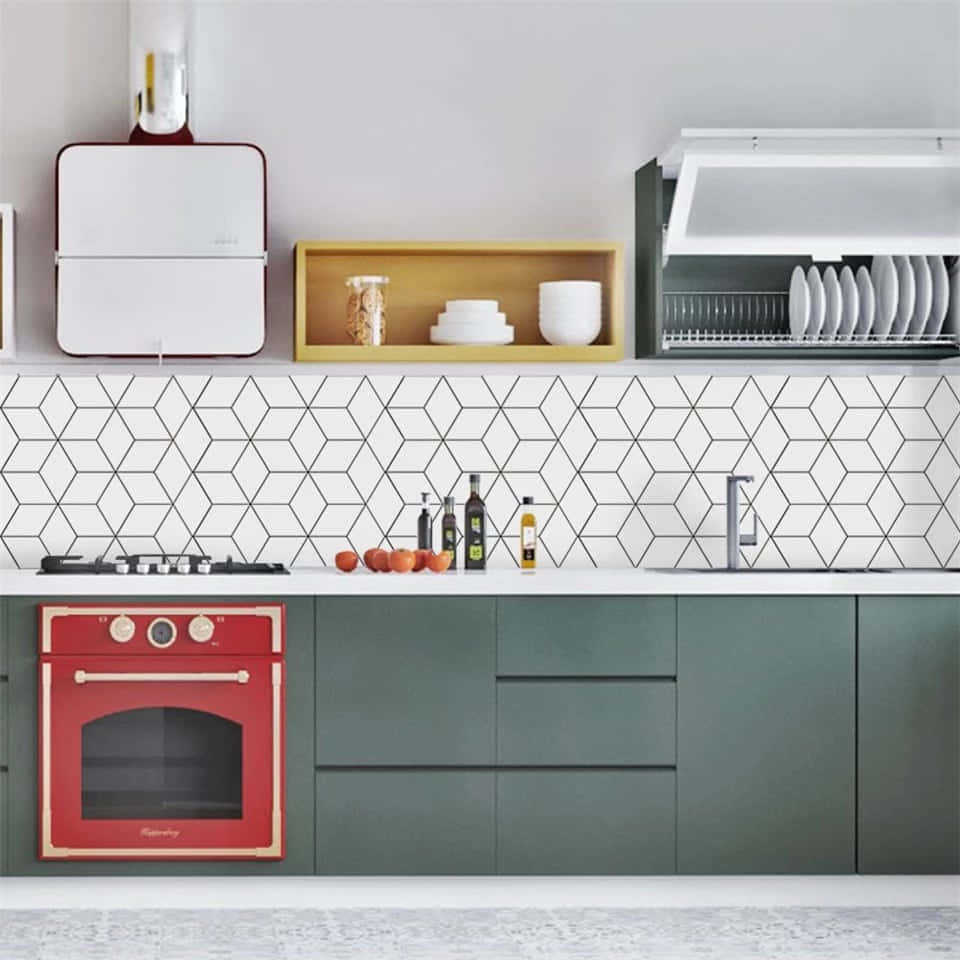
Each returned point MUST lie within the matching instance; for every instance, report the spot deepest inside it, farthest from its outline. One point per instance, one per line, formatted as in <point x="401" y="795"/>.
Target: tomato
<point x="368" y="558"/>
<point x="422" y="559"/>
<point x="346" y="560"/>
<point x="381" y="561"/>
<point x="402" y="561"/>
<point x="439" y="562"/>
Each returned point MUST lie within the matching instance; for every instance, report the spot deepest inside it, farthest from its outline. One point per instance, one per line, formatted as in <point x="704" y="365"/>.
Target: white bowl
<point x="472" y="306"/>
<point x="465" y="336"/>
<point x="463" y="319"/>
<point x="571" y="287"/>
<point x="570" y="332"/>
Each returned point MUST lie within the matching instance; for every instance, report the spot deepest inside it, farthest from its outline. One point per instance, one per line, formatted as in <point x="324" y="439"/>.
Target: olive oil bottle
<point x="448" y="531"/>
<point x="475" y="528"/>
<point x="528" y="536"/>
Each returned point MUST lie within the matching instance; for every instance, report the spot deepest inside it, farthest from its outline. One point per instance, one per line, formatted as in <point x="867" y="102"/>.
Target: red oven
<point x="161" y="732"/>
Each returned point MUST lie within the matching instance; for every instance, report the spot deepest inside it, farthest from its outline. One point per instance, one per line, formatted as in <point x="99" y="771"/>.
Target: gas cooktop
<point x="140" y="563"/>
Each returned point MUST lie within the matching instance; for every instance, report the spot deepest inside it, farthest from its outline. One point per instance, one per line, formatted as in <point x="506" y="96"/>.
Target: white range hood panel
<point x="815" y="193"/>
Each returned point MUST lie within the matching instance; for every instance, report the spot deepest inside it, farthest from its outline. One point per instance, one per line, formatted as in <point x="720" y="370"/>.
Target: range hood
<point x="818" y="193"/>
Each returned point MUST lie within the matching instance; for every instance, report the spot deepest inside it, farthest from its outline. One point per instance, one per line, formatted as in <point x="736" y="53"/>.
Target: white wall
<point x="457" y="119"/>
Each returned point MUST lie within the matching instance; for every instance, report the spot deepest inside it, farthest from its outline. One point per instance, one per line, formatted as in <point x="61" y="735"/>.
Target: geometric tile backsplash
<point x="624" y="471"/>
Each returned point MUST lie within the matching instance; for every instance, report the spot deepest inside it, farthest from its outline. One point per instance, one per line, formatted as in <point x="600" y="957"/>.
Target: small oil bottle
<point x="425" y="525"/>
<point x="448" y="531"/>
<point x="528" y="537"/>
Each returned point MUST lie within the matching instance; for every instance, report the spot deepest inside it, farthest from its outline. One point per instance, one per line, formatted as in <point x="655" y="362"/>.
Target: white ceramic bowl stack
<point x="571" y="312"/>
<point x="476" y="323"/>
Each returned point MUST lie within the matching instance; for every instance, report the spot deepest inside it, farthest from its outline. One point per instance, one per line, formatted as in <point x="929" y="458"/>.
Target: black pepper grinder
<point x="425" y="525"/>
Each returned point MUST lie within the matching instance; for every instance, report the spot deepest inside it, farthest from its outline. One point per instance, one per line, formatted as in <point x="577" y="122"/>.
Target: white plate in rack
<point x="952" y="326"/>
<point x="832" y="304"/>
<point x="941" y="296"/>
<point x="924" y="300"/>
<point x="849" y="303"/>
<point x="799" y="304"/>
<point x="818" y="304"/>
<point x="868" y="304"/>
<point x="886" y="286"/>
<point x="906" y="298"/>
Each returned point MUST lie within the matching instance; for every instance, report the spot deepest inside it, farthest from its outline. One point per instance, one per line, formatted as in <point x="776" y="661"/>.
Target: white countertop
<point x="325" y="581"/>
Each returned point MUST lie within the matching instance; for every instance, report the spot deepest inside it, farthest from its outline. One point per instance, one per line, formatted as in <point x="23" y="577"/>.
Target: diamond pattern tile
<point x="624" y="470"/>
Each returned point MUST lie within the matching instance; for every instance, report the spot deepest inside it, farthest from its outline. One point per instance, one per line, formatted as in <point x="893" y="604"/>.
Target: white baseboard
<point x="463" y="893"/>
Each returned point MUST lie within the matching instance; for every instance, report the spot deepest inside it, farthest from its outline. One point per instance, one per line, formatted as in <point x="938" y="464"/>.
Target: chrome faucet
<point x="736" y="539"/>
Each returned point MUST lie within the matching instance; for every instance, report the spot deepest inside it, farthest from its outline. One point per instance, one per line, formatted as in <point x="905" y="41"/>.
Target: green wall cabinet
<point x="765" y="746"/>
<point x="405" y="822"/>
<point x="22" y="775"/>
<point x="587" y="636"/>
<point x="909" y="739"/>
<point x="586" y="822"/>
<point x="405" y="681"/>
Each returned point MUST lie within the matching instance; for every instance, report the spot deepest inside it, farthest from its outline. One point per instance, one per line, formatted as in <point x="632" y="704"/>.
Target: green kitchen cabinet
<point x="405" y="822"/>
<point x="586" y="822"/>
<point x="766" y="743"/>
<point x="909" y="739"/>
<point x="587" y="722"/>
<point x="21" y="849"/>
<point x="587" y="636"/>
<point x="405" y="681"/>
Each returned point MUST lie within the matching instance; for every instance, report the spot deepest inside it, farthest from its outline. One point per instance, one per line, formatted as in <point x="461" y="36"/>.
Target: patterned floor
<point x="584" y="934"/>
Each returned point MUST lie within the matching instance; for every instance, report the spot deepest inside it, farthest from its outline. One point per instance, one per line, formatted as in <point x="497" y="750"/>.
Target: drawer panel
<point x="586" y="822"/>
<point x="587" y="636"/>
<point x="405" y="822"/>
<point x="4" y="722"/>
<point x="586" y="722"/>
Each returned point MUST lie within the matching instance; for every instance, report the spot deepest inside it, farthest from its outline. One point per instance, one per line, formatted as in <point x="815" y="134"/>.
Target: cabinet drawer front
<point x="587" y="636"/>
<point x="405" y="680"/>
<point x="587" y="722"/>
<point x="403" y="822"/>
<point x="586" y="822"/>
<point x="4" y="721"/>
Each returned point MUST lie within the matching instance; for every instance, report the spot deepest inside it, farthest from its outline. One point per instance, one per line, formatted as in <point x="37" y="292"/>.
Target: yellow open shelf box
<point x="425" y="275"/>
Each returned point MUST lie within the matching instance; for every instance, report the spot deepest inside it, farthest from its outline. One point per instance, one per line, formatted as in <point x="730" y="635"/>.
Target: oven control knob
<point x="200" y="629"/>
<point x="122" y="629"/>
<point x="161" y="633"/>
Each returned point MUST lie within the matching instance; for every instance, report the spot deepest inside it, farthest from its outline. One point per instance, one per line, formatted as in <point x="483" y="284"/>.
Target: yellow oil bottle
<point x="528" y="537"/>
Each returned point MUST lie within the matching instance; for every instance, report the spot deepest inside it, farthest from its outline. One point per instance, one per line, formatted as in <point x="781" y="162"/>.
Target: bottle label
<point x="476" y="551"/>
<point x="528" y="537"/>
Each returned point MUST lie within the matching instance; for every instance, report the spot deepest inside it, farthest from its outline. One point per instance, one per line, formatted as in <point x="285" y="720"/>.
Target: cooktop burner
<point x="163" y="563"/>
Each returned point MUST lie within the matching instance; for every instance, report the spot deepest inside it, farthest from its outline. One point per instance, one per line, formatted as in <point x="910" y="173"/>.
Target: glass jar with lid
<point x="367" y="310"/>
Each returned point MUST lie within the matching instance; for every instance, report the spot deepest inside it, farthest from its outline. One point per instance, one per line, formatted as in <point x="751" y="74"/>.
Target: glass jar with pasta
<point x="367" y="310"/>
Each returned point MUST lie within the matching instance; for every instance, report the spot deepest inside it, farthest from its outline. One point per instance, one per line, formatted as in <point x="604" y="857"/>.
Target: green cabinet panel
<point x="22" y="775"/>
<point x="405" y="822"/>
<point x="586" y="822"/>
<point x="3" y="823"/>
<point x="765" y="745"/>
<point x="405" y="681"/>
<point x="4" y="722"/>
<point x="909" y="741"/>
<point x="586" y="636"/>
<point x="587" y="722"/>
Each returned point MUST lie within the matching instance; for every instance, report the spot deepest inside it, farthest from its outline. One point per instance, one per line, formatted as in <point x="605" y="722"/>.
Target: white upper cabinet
<point x="818" y="193"/>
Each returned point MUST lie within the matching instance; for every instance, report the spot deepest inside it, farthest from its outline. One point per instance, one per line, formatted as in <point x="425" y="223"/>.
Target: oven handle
<point x="82" y="676"/>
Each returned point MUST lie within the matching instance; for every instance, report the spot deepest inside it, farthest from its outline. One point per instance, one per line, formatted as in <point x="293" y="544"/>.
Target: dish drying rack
<point x="760" y="319"/>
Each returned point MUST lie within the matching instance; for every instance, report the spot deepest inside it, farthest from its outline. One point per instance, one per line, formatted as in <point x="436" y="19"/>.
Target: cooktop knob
<point x="143" y="567"/>
<point x="200" y="629"/>
<point x="183" y="565"/>
<point x="161" y="632"/>
<point x="122" y="629"/>
<point x="163" y="567"/>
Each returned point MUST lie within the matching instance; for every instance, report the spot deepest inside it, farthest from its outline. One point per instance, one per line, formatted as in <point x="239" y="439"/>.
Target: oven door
<point x="177" y="760"/>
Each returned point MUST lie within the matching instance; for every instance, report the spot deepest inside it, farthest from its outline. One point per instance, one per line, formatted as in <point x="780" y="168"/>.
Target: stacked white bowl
<point x="473" y="322"/>
<point x="570" y="311"/>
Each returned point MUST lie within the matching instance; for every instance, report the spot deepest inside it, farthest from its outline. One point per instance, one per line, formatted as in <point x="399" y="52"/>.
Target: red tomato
<point x="346" y="560"/>
<point x="402" y="561"/>
<point x="422" y="559"/>
<point x="439" y="562"/>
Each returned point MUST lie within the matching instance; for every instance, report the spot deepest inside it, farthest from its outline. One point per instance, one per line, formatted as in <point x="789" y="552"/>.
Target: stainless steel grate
<point x="678" y="339"/>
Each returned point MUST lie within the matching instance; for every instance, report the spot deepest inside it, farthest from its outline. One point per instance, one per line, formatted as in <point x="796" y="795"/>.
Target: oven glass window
<point x="162" y="763"/>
